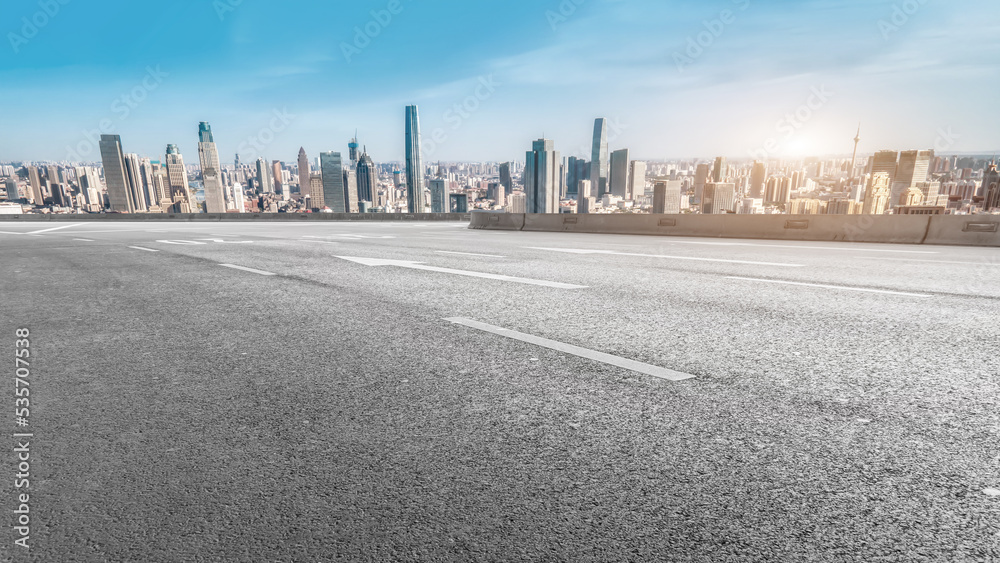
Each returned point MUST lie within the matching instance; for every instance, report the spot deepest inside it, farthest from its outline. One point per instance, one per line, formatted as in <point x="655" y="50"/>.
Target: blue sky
<point x="677" y="79"/>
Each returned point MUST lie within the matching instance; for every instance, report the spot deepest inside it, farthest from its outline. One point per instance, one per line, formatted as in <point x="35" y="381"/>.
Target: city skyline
<point x="699" y="86"/>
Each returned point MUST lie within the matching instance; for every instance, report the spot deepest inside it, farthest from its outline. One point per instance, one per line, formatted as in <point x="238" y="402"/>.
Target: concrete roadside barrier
<point x="964" y="230"/>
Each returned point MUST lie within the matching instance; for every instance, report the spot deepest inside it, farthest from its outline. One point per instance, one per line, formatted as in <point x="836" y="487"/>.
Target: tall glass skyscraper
<point x="618" y="176"/>
<point x="367" y="178"/>
<point x="414" y="166"/>
<point x="541" y="177"/>
<point x="211" y="170"/>
<point x="333" y="181"/>
<point x="119" y="192"/>
<point x="599" y="161"/>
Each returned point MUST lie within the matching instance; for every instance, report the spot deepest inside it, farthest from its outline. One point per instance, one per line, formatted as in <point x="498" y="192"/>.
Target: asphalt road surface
<point x="424" y="392"/>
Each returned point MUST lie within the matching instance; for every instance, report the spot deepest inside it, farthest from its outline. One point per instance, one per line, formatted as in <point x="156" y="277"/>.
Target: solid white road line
<point x="841" y="287"/>
<point x="692" y="258"/>
<point x="321" y="241"/>
<point x="421" y="266"/>
<point x="84" y="239"/>
<point x="54" y="229"/>
<point x="938" y="261"/>
<point x="10" y="233"/>
<point x="802" y="247"/>
<point x="468" y="254"/>
<point x="655" y="371"/>
<point x="146" y="249"/>
<point x="251" y="270"/>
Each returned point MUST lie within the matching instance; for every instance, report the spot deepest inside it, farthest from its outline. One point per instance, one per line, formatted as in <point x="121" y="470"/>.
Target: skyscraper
<point x="134" y="182"/>
<point x="211" y="170"/>
<point x="572" y="178"/>
<point x="367" y="178"/>
<point x="353" y="149"/>
<point x="886" y="162"/>
<point x="637" y="180"/>
<point x="618" y="176"/>
<point x="667" y="197"/>
<point x="36" y="185"/>
<point x="991" y="187"/>
<point x="180" y="191"/>
<point x="758" y="176"/>
<point x="912" y="169"/>
<point x="720" y="172"/>
<point x="440" y="202"/>
<point x="12" y="192"/>
<point x="701" y="177"/>
<point x="264" y="181"/>
<point x="304" y="172"/>
<point x="414" y="166"/>
<point x="877" y="198"/>
<point x="351" y="190"/>
<point x="333" y="181"/>
<point x="599" y="161"/>
<point x="119" y="193"/>
<point x="506" y="180"/>
<point x="279" y="185"/>
<point x="541" y="178"/>
<point x="719" y="198"/>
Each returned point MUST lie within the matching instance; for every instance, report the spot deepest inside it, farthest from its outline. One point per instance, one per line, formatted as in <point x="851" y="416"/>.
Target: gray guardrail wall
<point x="961" y="230"/>
<point x="286" y="217"/>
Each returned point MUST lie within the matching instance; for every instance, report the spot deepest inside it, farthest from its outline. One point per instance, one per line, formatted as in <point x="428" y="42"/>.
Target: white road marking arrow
<point x="421" y="266"/>
<point x="692" y="258"/>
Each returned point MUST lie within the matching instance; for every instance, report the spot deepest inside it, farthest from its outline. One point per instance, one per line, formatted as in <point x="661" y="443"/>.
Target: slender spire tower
<point x="854" y="159"/>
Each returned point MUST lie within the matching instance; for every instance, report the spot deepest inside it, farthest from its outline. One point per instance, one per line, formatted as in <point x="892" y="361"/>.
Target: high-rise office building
<point x="459" y="203"/>
<point x="599" y="160"/>
<point x="440" y="191"/>
<point x="667" y="196"/>
<point x="758" y="178"/>
<point x="12" y="191"/>
<point x="991" y="187"/>
<point x="133" y="175"/>
<point x="351" y="190"/>
<point x="119" y="191"/>
<point x="541" y="178"/>
<point x="885" y="162"/>
<point x="701" y="177"/>
<point x="177" y="179"/>
<point x="618" y="174"/>
<point x="211" y="170"/>
<point x="367" y="178"/>
<point x="35" y="181"/>
<point x="316" y="199"/>
<point x="264" y="181"/>
<point x="518" y="203"/>
<point x="720" y="172"/>
<point x="353" y="150"/>
<point x="279" y="185"/>
<point x="52" y="175"/>
<point x="878" y="195"/>
<point x="332" y="167"/>
<point x="506" y="180"/>
<point x="912" y="169"/>
<point x="304" y="172"/>
<point x="636" y="180"/>
<point x="572" y="177"/>
<point x="719" y="198"/>
<point x="414" y="166"/>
